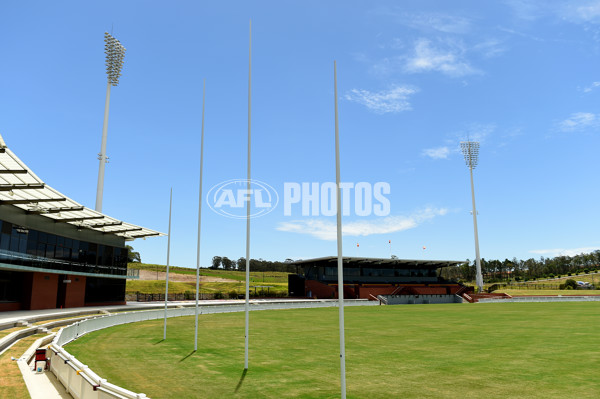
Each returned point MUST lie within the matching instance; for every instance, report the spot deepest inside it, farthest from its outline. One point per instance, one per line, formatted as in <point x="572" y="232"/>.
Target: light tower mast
<point x="470" y="150"/>
<point x="115" y="52"/>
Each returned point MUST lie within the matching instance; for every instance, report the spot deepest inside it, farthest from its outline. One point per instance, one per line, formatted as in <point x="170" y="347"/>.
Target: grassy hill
<point x="276" y="280"/>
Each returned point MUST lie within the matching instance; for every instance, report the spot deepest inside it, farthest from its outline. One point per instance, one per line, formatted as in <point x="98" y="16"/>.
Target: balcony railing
<point x="21" y="259"/>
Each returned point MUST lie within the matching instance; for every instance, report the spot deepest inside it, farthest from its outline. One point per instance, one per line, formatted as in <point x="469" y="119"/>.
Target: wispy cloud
<point x="490" y="48"/>
<point x="393" y="100"/>
<point x="325" y="229"/>
<point x="427" y="21"/>
<point x="447" y="58"/>
<point x="591" y="87"/>
<point x="579" y="121"/>
<point x="589" y="11"/>
<point x="437" y="153"/>
<point x="563" y="252"/>
<point x="473" y="131"/>
<point x="529" y="10"/>
<point x="435" y="21"/>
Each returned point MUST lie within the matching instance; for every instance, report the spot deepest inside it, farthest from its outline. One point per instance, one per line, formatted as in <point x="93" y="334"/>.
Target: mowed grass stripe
<point x="524" y="350"/>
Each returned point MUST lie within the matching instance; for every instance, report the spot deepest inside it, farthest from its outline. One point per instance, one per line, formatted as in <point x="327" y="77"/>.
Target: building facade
<point x="368" y="278"/>
<point x="54" y="252"/>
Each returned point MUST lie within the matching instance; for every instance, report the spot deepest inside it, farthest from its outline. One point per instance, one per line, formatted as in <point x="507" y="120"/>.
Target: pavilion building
<point x="55" y="252"/>
<point x="392" y="280"/>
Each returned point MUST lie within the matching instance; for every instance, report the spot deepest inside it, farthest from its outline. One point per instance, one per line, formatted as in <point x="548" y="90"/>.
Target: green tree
<point x="216" y="262"/>
<point x="133" y="256"/>
<point x="227" y="263"/>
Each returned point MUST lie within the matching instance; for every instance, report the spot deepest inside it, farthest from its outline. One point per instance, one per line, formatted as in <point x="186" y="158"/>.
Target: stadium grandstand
<point x="54" y="252"/>
<point x="393" y="280"/>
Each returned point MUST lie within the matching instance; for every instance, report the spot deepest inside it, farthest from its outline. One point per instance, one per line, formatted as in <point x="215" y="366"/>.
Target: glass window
<point x="49" y="251"/>
<point x="108" y="255"/>
<point x="14" y="242"/>
<point x="23" y="244"/>
<point x="41" y="249"/>
<point x="42" y="237"/>
<point x="6" y="228"/>
<point x="91" y="253"/>
<point x="387" y="272"/>
<point x="4" y="241"/>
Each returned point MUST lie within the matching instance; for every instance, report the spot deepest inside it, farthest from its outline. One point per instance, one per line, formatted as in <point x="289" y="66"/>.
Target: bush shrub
<point x="570" y="284"/>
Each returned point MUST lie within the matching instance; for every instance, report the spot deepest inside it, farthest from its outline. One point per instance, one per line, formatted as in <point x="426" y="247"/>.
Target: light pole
<point x="115" y="52"/>
<point x="470" y="150"/>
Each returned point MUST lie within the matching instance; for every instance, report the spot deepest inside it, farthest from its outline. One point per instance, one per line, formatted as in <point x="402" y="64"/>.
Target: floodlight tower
<point x="470" y="150"/>
<point x="115" y="52"/>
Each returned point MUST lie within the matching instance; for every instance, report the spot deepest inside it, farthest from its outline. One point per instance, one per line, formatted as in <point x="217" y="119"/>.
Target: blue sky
<point x="414" y="79"/>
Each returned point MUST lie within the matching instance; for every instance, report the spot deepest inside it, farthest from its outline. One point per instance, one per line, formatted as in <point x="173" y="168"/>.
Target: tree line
<point x="493" y="270"/>
<point x="525" y="270"/>
<point x="256" y="265"/>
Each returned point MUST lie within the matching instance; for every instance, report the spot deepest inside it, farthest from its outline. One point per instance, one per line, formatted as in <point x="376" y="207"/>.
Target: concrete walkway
<point x="42" y="385"/>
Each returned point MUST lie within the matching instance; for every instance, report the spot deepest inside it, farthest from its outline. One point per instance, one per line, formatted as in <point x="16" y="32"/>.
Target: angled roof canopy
<point x="385" y="263"/>
<point x="20" y="187"/>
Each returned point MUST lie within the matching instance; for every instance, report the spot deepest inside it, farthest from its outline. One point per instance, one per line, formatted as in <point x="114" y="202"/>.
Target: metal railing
<point x="82" y="383"/>
<point x="27" y="260"/>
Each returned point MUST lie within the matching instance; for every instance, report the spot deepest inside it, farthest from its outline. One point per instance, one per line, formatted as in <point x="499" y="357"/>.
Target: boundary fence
<point x="82" y="383"/>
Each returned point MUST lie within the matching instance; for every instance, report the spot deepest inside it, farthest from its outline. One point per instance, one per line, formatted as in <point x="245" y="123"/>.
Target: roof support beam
<point x="100" y="225"/>
<point x="13" y="172"/>
<point x="68" y="220"/>
<point x="31" y="201"/>
<point x="122" y="231"/>
<point x="145" y="235"/>
<point x="9" y="187"/>
<point x="57" y="210"/>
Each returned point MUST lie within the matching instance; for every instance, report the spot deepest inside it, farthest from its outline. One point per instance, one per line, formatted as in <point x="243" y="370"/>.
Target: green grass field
<point x="512" y="350"/>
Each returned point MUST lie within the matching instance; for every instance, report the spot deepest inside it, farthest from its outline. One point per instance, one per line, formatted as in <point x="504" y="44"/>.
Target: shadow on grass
<point x="239" y="385"/>
<point x="158" y="342"/>
<point x="190" y="354"/>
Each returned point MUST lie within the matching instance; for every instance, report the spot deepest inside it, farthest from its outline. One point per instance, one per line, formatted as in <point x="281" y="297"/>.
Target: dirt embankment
<point x="185" y="278"/>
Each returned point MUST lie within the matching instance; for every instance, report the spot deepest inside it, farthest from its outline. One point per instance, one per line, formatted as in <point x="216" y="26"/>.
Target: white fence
<point x="82" y="383"/>
<point x="542" y="299"/>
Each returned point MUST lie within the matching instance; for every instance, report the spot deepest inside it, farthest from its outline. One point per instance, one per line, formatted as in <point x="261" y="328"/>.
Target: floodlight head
<point x="115" y="52"/>
<point x="470" y="150"/>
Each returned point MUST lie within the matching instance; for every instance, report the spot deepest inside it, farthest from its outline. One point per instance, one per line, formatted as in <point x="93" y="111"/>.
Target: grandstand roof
<point x="22" y="188"/>
<point x="350" y="261"/>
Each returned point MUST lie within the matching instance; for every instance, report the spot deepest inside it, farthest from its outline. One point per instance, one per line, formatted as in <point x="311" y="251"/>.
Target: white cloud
<point x="448" y="60"/>
<point x="437" y="153"/>
<point x="473" y="132"/>
<point x="563" y="252"/>
<point x="392" y="100"/>
<point x="588" y="12"/>
<point x="325" y="229"/>
<point x="526" y="9"/>
<point x="445" y="23"/>
<point x="439" y="22"/>
<point x="490" y="48"/>
<point x="591" y="87"/>
<point x="579" y="121"/>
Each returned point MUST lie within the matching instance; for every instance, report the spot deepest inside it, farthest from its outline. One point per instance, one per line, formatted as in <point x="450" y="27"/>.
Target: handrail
<point x="76" y="376"/>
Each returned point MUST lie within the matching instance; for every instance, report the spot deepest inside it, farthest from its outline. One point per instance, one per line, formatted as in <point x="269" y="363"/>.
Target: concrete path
<point x="42" y="385"/>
